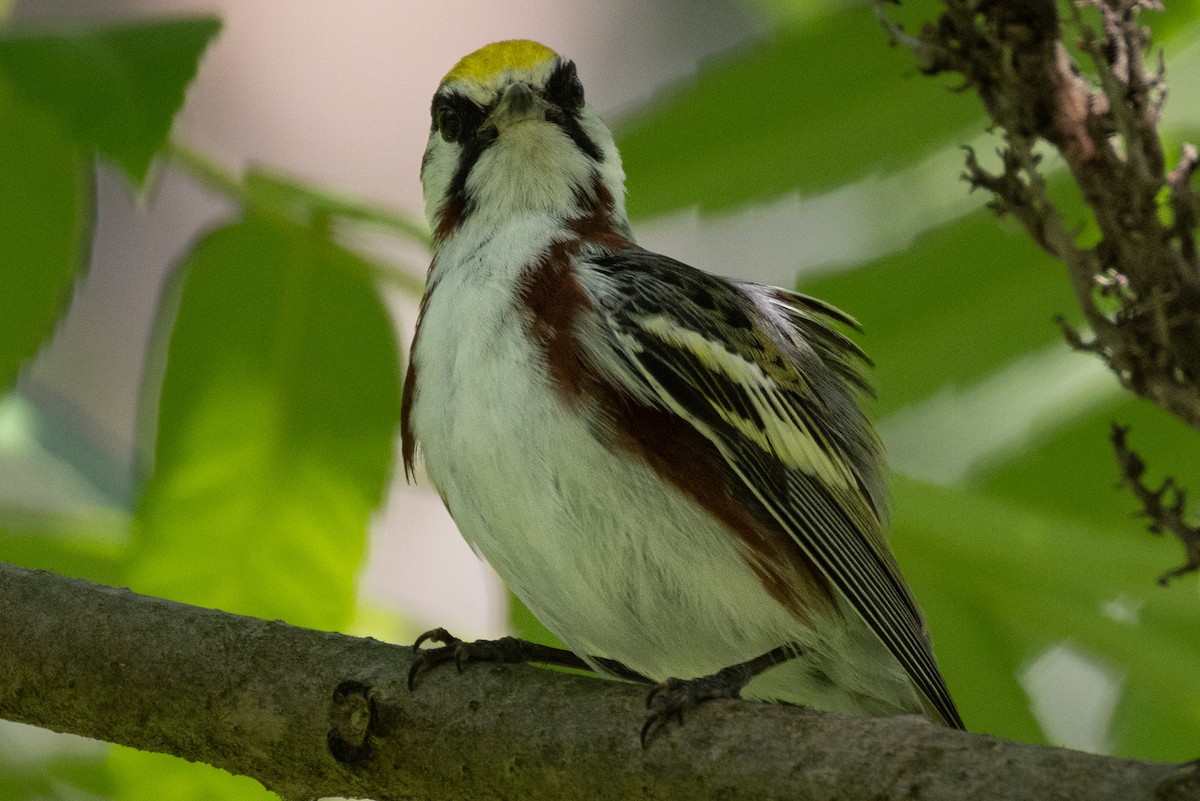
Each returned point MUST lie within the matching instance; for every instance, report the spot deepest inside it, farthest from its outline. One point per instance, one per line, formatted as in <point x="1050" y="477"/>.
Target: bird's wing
<point x="763" y="375"/>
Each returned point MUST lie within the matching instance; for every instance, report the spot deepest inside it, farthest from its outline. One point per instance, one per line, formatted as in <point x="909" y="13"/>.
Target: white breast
<point x="614" y="561"/>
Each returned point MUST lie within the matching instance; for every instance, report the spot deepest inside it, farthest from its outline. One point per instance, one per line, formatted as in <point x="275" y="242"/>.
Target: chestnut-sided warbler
<point x="670" y="469"/>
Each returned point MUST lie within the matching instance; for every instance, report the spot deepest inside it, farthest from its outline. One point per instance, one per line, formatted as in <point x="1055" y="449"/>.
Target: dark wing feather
<point x="762" y="374"/>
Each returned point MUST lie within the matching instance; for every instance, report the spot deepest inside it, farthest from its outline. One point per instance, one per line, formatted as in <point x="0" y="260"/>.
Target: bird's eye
<point x="449" y="123"/>
<point x="565" y="89"/>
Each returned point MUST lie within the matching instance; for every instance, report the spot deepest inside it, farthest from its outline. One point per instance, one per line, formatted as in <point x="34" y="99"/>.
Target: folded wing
<point x="764" y="376"/>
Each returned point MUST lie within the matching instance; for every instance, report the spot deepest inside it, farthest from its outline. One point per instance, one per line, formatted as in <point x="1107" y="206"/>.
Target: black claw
<point x="673" y="696"/>
<point x="434" y="635"/>
<point x="450" y="648"/>
<point x="505" y="650"/>
<point x="657" y="721"/>
<point x="662" y="717"/>
<point x="646" y="730"/>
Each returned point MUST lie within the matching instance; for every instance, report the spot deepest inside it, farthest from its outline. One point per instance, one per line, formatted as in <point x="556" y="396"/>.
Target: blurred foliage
<point x="271" y="396"/>
<point x="276" y="414"/>
<point x="272" y="391"/>
<point x="46" y="207"/>
<point x="812" y="107"/>
<point x="113" y="89"/>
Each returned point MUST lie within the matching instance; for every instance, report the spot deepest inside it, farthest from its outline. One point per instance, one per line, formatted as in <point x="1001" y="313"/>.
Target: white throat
<point x="533" y="167"/>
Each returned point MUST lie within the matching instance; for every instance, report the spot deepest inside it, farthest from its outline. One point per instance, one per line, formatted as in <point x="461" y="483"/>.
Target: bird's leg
<point x="508" y="650"/>
<point x="671" y="697"/>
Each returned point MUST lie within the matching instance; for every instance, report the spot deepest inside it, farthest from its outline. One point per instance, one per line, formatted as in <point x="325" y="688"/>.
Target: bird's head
<point x="512" y="134"/>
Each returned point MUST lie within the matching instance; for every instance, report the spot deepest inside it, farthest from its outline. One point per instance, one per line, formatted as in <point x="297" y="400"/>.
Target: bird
<point x="672" y="470"/>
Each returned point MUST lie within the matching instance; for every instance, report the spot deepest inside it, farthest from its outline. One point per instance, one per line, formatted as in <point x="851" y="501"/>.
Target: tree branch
<point x="1012" y="53"/>
<point x="312" y="714"/>
<point x="1139" y="286"/>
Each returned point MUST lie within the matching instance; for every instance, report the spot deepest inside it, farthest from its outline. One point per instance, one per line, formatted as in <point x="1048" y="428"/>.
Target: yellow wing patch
<point x="493" y="59"/>
<point x="785" y="434"/>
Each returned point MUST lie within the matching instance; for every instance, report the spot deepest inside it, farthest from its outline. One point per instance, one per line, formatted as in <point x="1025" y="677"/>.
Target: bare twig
<point x="1012" y="53"/>
<point x="1139" y="286"/>
<point x="1165" y="507"/>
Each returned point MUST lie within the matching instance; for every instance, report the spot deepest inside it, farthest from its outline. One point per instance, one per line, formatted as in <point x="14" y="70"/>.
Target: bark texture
<point x="312" y="714"/>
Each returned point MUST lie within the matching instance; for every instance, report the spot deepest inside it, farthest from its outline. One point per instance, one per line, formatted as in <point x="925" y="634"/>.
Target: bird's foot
<point x="672" y="697"/>
<point x="506" y="650"/>
<point x="452" y="649"/>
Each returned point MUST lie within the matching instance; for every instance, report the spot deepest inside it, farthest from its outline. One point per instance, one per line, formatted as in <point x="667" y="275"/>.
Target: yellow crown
<point x="491" y="60"/>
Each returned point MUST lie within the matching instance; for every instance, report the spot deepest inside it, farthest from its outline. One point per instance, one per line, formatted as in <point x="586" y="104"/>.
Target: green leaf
<point x="999" y="583"/>
<point x="1073" y="471"/>
<point x="523" y="624"/>
<point x="145" y="776"/>
<point x="46" y="217"/>
<point x="115" y="89"/>
<point x="46" y="767"/>
<point x="92" y="548"/>
<point x="1153" y="716"/>
<point x="962" y="302"/>
<point x="979" y="655"/>
<point x="277" y="413"/>
<point x="809" y="109"/>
